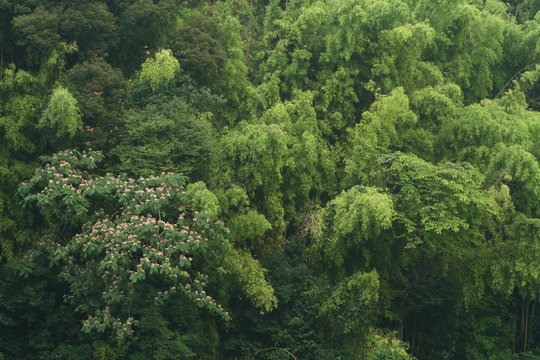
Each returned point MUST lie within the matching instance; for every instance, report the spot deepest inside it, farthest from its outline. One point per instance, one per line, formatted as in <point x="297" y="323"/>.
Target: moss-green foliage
<point x="100" y="90"/>
<point x="165" y="137"/>
<point x="197" y="45"/>
<point x="351" y="301"/>
<point x="350" y="179"/>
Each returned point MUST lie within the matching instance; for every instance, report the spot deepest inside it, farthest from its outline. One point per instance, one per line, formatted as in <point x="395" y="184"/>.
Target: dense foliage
<point x="269" y="179"/>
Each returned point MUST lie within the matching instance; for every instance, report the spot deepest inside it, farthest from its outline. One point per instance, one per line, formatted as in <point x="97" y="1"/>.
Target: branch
<point x="272" y="349"/>
<point x="515" y="76"/>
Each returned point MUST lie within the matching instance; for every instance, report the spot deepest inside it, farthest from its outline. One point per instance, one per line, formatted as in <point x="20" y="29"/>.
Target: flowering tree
<point x="122" y="241"/>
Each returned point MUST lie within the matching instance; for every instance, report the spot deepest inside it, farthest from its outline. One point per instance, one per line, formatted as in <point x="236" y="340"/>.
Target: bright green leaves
<point x="351" y="220"/>
<point x="439" y="13"/>
<point x="249" y="229"/>
<point x="383" y="128"/>
<point x="501" y="143"/>
<point x="360" y="213"/>
<point x="160" y="70"/>
<point x="433" y="105"/>
<point x="338" y="100"/>
<point x="486" y="124"/>
<point x="473" y="58"/>
<point x="387" y="348"/>
<point x="527" y="87"/>
<point x="358" y="128"/>
<point x="280" y="165"/>
<point x="62" y="114"/>
<point x="514" y="166"/>
<point x="469" y="43"/>
<point x="26" y="108"/>
<point x="235" y="83"/>
<point x="442" y="206"/>
<point x="380" y="125"/>
<point x="250" y="275"/>
<point x="348" y="37"/>
<point x="233" y="199"/>
<point x="353" y="27"/>
<point x="255" y="157"/>
<point x="22" y="98"/>
<point x="203" y="200"/>
<point x="310" y="164"/>
<point x="496" y="7"/>
<point x="20" y="105"/>
<point x="402" y="50"/>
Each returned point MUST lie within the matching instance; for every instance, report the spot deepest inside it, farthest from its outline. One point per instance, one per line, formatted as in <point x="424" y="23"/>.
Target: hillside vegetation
<point x="269" y="179"/>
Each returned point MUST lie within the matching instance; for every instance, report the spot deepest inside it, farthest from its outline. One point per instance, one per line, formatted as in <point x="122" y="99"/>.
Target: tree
<point x="143" y="25"/>
<point x="136" y="244"/>
<point x="159" y="71"/>
<point x="101" y="91"/>
<point x="62" y="114"/>
<point x="197" y="47"/>
<point x="166" y="137"/>
<point x="254" y="157"/>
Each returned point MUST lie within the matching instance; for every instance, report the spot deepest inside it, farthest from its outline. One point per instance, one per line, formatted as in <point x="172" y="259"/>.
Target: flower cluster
<point x="146" y="236"/>
<point x="103" y="320"/>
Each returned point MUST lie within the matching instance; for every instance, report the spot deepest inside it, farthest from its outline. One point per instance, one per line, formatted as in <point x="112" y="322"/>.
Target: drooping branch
<point x="272" y="349"/>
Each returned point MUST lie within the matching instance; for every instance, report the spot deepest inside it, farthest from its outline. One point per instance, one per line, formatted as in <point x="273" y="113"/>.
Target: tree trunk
<point x="524" y="317"/>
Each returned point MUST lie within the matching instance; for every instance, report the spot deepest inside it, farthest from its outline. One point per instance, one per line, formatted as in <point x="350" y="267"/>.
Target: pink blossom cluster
<point x="134" y="244"/>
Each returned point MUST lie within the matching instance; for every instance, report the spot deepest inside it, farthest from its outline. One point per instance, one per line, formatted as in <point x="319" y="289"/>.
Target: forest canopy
<point x="269" y="179"/>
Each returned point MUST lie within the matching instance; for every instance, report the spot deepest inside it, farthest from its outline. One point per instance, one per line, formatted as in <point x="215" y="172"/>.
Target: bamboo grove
<point x="269" y="179"/>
